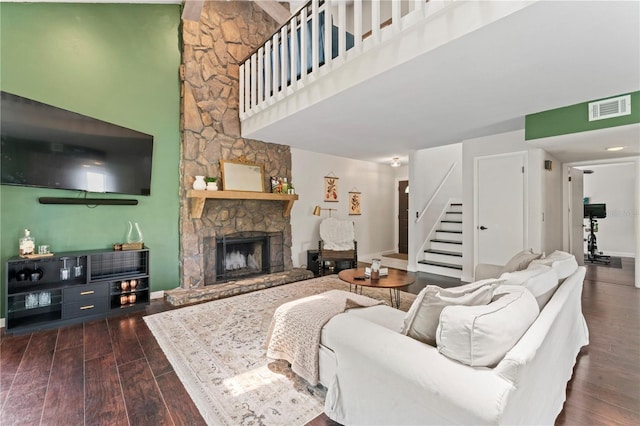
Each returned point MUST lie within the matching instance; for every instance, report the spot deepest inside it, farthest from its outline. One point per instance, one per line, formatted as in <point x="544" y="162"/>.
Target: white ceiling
<point x="546" y="56"/>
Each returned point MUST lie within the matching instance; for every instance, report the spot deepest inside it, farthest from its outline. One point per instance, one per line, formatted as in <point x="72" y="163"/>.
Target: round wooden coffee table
<point x="396" y="280"/>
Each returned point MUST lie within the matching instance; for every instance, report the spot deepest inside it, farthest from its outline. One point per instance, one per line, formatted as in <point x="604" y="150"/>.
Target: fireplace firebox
<point x="247" y="254"/>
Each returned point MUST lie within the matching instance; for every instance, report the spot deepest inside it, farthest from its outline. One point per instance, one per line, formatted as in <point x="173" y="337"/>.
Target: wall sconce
<point x="548" y="165"/>
<point x="318" y="209"/>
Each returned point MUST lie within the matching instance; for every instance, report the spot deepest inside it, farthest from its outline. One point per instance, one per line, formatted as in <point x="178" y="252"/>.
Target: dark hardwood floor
<point x="113" y="371"/>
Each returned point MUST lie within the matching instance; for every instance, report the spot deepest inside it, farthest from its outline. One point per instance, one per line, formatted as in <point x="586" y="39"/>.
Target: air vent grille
<point x="609" y="108"/>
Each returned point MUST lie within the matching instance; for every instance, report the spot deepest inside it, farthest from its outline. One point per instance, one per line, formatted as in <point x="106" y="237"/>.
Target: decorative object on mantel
<point x="199" y="183"/>
<point x="331" y="188"/>
<point x="354" y="202"/>
<point x="212" y="184"/>
<point x="242" y="175"/>
<point x="318" y="209"/>
<point x="279" y="185"/>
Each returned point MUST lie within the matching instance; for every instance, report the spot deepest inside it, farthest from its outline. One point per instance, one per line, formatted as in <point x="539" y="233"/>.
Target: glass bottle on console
<point x="27" y="244"/>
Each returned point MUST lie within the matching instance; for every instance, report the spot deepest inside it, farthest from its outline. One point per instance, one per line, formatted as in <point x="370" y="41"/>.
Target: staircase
<point x="444" y="254"/>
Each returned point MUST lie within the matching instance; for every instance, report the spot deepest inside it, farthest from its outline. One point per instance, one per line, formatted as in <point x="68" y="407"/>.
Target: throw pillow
<point x="480" y="336"/>
<point x="564" y="263"/>
<point x="520" y="261"/>
<point x="422" y="319"/>
<point x="540" y="280"/>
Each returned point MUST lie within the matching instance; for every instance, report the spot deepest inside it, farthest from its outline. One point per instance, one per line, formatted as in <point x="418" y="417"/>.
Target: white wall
<point x="374" y="227"/>
<point x="614" y="185"/>
<point x="427" y="168"/>
<point x="492" y="145"/>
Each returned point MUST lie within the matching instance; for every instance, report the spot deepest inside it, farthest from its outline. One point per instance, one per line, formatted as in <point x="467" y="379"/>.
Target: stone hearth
<point x="182" y="296"/>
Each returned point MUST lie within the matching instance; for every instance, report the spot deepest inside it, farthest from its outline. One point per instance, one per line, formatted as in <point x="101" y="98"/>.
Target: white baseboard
<point x="466" y="279"/>
<point x="620" y="254"/>
<point x="157" y="294"/>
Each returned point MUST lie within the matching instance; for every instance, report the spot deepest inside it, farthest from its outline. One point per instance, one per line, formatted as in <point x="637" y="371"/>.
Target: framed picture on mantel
<point x="242" y="176"/>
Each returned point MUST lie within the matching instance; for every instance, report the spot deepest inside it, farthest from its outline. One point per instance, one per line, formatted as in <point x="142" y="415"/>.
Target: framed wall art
<point x="354" y="203"/>
<point x="331" y="189"/>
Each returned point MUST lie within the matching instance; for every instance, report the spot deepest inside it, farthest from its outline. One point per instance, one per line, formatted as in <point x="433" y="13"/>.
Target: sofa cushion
<point x="480" y="336"/>
<point x="520" y="261"/>
<point x="540" y="280"/>
<point x="422" y="319"/>
<point x="564" y="263"/>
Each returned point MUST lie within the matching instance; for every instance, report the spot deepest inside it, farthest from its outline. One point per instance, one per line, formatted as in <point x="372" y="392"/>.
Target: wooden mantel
<point x="198" y="198"/>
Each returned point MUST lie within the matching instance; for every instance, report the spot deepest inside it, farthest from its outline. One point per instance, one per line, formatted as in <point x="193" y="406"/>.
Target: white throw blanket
<point x="337" y="234"/>
<point x="294" y="333"/>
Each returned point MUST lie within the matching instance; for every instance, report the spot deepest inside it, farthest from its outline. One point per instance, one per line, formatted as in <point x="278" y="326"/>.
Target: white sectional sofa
<point x="375" y="374"/>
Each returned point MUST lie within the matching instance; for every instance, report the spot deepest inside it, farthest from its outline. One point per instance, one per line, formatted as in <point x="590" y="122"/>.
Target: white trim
<point x="620" y="254"/>
<point x="157" y="294"/>
<point x="2" y="322"/>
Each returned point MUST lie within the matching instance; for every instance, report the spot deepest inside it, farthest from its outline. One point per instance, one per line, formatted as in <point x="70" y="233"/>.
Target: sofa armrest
<point x="378" y="369"/>
<point x="487" y="270"/>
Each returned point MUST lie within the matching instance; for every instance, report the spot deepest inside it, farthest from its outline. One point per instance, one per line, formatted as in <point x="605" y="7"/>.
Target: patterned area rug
<point x="217" y="350"/>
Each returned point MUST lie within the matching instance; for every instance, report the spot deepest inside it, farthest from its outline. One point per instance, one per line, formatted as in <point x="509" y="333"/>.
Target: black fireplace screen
<point x="248" y="254"/>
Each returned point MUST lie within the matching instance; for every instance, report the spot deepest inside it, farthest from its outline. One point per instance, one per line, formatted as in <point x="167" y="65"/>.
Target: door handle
<point x="482" y="228"/>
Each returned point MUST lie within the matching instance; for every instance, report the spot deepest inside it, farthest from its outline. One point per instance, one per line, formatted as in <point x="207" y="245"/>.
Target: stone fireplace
<point x="212" y="49"/>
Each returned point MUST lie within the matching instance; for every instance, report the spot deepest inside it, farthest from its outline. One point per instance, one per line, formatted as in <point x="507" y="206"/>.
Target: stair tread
<point x="455" y="204"/>
<point x="454" y="212"/>
<point x="450" y="232"/>
<point x="451" y="221"/>
<point x="445" y="252"/>
<point x="441" y="264"/>
<point x="438" y="240"/>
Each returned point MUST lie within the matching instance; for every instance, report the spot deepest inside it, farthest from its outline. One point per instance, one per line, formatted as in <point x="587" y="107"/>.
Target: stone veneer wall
<point x="212" y="50"/>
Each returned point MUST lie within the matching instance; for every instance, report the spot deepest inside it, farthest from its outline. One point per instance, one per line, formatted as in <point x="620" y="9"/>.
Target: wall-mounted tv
<point x="49" y="147"/>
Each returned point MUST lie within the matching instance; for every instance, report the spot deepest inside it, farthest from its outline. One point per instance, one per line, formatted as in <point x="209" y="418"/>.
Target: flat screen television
<point x="598" y="211"/>
<point x="49" y="147"/>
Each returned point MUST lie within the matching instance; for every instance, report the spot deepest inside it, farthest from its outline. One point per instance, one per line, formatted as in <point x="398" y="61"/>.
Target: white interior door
<point x="500" y="201"/>
<point x="576" y="214"/>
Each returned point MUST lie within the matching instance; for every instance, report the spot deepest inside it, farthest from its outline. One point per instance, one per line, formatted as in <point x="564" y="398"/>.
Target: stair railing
<point x="436" y="192"/>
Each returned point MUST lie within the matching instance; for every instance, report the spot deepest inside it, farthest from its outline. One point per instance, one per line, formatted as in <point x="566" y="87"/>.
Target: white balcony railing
<point x="285" y="64"/>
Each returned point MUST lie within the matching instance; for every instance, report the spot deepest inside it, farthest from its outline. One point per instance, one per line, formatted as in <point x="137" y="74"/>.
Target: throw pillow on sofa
<point x="564" y="263"/>
<point x="480" y="336"/>
<point x="541" y="281"/>
<point x="521" y="261"/>
<point x="422" y="319"/>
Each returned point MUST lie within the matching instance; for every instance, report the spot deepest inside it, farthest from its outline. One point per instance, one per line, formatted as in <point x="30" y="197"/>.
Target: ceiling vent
<point x="609" y="108"/>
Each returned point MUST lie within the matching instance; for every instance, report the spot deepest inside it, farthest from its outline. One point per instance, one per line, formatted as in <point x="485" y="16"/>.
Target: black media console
<point x="72" y="287"/>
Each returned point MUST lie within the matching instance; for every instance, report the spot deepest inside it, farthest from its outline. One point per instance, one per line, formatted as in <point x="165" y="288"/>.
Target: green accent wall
<point x="114" y="62"/>
<point x="575" y="119"/>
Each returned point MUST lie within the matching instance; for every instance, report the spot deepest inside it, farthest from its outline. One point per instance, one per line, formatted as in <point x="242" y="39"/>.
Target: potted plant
<point x="212" y="184"/>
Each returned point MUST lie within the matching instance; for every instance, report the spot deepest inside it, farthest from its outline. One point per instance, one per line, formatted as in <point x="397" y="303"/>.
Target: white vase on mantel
<point x="212" y="186"/>
<point x="199" y="184"/>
